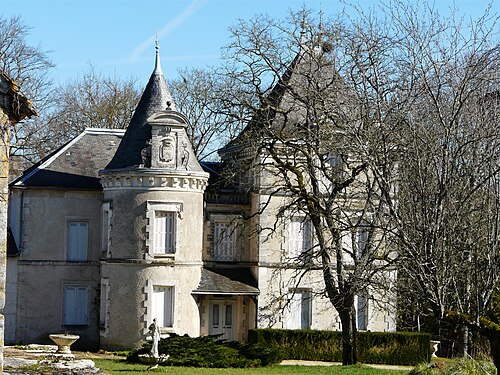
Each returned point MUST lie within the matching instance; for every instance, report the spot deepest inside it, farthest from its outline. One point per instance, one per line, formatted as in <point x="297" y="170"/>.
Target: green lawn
<point x="120" y="367"/>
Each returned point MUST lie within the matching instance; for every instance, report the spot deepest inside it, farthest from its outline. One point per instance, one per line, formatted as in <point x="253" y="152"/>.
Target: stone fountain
<point x="63" y="342"/>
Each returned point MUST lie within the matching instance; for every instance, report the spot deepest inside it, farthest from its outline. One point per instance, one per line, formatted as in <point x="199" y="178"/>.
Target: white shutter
<point x="224" y="234"/>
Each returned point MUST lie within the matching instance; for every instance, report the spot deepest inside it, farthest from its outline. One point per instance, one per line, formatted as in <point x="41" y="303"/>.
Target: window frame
<point x="77" y="323"/>
<point x="70" y="257"/>
<point x="170" y="308"/>
<point x="152" y="208"/>
<point x="228" y="237"/>
<point x="106" y="215"/>
<point x="306" y="298"/>
<point x="307" y="237"/>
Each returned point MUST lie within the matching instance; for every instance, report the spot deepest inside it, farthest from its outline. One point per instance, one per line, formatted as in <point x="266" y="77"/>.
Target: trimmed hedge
<point x="390" y="348"/>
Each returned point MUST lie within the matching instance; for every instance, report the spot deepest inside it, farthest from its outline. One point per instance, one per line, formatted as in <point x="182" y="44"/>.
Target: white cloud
<point x="168" y="28"/>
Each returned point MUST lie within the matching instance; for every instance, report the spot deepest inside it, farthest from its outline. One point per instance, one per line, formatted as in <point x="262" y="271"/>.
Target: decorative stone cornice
<point x="154" y="179"/>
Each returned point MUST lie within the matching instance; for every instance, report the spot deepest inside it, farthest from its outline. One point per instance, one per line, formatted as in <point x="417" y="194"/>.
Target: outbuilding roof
<point x="76" y="164"/>
<point x="228" y="281"/>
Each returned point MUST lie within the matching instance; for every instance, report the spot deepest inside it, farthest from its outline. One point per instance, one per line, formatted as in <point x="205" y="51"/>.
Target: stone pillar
<point x="13" y="108"/>
<point x="4" y="199"/>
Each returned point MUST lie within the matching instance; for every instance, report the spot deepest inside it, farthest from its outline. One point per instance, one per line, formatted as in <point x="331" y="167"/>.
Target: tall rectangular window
<point x="163" y="305"/>
<point x="299" y="309"/>
<point x="75" y="305"/>
<point x="362" y="312"/>
<point x="164" y="232"/>
<point x="78" y="234"/>
<point x="299" y="236"/>
<point x="224" y="240"/>
<point x="106" y="229"/>
<point x="362" y="244"/>
<point x="104" y="305"/>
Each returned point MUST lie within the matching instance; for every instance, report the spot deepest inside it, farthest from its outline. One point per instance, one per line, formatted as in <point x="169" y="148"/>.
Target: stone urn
<point x="63" y="342"/>
<point x="434" y="347"/>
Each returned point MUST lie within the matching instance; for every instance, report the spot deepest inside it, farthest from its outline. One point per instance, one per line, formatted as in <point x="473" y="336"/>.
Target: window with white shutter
<point x="362" y="241"/>
<point x="78" y="233"/>
<point x="299" y="236"/>
<point x="106" y="229"/>
<point x="75" y="305"/>
<point x="163" y="305"/>
<point x="224" y="240"/>
<point x="299" y="309"/>
<point x="362" y="312"/>
<point x="164" y="232"/>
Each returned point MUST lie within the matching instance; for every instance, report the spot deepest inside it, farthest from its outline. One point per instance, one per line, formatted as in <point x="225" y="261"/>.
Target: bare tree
<point x="202" y="96"/>
<point x="442" y="87"/>
<point x="29" y="67"/>
<point x="406" y="103"/>
<point x="93" y="101"/>
<point x="303" y="142"/>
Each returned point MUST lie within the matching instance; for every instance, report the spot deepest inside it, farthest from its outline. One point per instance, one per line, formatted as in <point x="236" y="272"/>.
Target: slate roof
<point x="153" y="99"/>
<point x="76" y="164"/>
<point x="222" y="280"/>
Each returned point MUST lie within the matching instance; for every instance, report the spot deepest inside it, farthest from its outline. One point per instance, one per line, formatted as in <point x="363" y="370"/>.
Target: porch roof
<point x="228" y="281"/>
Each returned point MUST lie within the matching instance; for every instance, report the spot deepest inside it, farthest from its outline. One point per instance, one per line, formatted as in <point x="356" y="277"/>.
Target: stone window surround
<point x="166" y="206"/>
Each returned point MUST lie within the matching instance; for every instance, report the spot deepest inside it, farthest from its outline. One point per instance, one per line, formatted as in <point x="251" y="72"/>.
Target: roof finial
<point x="157" y="61"/>
<point x="303" y="26"/>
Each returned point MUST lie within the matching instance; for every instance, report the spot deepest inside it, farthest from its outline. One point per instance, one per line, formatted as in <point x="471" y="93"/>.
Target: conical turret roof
<point x="156" y="97"/>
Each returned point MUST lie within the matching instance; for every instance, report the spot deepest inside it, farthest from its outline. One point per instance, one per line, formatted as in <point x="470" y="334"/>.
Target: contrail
<point x="169" y="27"/>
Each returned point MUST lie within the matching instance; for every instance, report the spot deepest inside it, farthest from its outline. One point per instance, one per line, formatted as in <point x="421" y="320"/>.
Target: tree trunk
<point x="494" y="339"/>
<point x="349" y="335"/>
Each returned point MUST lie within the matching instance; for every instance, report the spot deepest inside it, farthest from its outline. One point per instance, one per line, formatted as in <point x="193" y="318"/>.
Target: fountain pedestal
<point x="63" y="342"/>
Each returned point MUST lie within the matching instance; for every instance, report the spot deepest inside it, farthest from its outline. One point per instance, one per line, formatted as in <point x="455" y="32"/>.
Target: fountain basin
<point x="63" y="342"/>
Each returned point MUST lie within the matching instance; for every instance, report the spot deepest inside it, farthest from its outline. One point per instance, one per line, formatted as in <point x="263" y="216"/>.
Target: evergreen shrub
<point x="392" y="348"/>
<point x="210" y="351"/>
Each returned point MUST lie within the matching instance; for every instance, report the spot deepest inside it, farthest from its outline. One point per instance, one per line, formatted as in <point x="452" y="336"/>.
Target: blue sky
<point x="117" y="36"/>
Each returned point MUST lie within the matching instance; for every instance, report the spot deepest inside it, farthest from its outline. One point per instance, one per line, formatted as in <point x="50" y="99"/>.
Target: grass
<point x="115" y="367"/>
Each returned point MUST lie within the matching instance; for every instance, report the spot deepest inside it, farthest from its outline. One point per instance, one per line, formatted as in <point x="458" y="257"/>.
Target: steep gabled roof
<point x="156" y="97"/>
<point x="74" y="165"/>
<point x="287" y="104"/>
